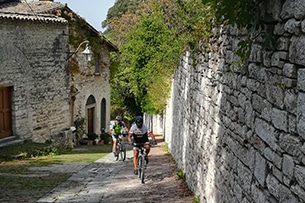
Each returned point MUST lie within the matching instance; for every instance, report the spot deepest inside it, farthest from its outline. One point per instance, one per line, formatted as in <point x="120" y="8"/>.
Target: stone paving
<point x="107" y="180"/>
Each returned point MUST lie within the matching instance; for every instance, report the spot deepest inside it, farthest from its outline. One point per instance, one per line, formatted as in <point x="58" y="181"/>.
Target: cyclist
<point x="118" y="129"/>
<point x="139" y="131"/>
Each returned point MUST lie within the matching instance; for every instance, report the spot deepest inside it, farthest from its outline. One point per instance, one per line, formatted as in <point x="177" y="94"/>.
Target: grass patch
<point x="48" y="155"/>
<point x="181" y="175"/>
<point x="15" y="184"/>
<point x="196" y="199"/>
<point x="34" y="183"/>
<point x="36" y="154"/>
<point x="165" y="147"/>
<point x="28" y="189"/>
<point x="23" y="150"/>
<point x="14" y="167"/>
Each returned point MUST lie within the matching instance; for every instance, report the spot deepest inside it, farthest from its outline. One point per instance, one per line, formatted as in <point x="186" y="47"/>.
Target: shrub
<point x="106" y="137"/>
<point x="92" y="136"/>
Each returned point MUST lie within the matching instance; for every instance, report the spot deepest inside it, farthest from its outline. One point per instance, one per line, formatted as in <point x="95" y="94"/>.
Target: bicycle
<point x="141" y="161"/>
<point x="120" y="148"/>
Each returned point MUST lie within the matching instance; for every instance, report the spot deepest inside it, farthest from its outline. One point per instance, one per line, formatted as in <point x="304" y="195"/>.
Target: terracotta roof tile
<point x="39" y="17"/>
<point x="34" y="11"/>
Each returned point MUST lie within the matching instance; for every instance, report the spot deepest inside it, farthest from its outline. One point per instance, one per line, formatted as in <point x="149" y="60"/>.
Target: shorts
<point x="116" y="137"/>
<point x="137" y="146"/>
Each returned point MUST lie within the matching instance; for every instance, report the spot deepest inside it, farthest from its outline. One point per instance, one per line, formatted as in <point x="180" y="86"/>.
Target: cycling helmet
<point x="139" y="121"/>
<point x="118" y="118"/>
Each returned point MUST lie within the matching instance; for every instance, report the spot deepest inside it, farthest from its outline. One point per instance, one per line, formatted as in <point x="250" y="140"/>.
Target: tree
<point x="152" y="35"/>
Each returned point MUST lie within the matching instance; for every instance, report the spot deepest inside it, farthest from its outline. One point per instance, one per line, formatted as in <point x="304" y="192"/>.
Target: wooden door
<point x="90" y="120"/>
<point x="103" y="115"/>
<point x="5" y="113"/>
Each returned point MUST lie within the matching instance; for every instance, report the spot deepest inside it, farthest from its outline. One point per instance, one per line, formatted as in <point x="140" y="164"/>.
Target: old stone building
<point x="45" y="79"/>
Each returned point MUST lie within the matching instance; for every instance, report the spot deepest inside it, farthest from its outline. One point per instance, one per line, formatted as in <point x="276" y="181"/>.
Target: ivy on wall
<point x="249" y="15"/>
<point x="79" y="31"/>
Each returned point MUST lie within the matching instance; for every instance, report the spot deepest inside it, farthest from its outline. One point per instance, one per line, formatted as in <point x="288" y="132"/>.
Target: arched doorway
<point x="103" y="114"/>
<point x="90" y="106"/>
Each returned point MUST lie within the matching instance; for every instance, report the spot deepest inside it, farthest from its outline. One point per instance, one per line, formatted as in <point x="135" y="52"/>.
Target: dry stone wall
<point x="238" y="134"/>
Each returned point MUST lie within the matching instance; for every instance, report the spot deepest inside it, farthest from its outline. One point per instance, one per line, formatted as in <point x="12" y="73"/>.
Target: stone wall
<point x="238" y="134"/>
<point x="33" y="63"/>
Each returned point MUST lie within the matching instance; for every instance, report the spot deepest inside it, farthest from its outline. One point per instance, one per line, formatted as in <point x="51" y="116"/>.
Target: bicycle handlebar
<point x="141" y="144"/>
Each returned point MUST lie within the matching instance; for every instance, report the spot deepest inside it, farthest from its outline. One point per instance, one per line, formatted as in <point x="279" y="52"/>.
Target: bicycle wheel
<point x="123" y="153"/>
<point x="117" y="152"/>
<point x="140" y="164"/>
<point x="142" y="169"/>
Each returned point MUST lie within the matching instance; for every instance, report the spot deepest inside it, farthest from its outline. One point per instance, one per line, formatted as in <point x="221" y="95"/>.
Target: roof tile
<point x="34" y="11"/>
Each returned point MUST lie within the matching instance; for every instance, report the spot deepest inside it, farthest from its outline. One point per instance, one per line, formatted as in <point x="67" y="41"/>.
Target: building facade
<point x="46" y="83"/>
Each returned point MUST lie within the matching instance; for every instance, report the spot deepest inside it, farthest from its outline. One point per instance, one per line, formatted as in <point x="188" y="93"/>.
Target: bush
<point x="42" y="152"/>
<point x="28" y="150"/>
<point x="92" y="136"/>
<point x="106" y="137"/>
<point x="79" y="124"/>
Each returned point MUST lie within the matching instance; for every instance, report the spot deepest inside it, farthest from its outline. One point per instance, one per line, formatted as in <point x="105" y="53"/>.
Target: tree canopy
<point x="152" y="35"/>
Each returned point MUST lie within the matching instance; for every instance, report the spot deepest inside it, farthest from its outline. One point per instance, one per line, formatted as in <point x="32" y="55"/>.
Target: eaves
<point x="33" y="17"/>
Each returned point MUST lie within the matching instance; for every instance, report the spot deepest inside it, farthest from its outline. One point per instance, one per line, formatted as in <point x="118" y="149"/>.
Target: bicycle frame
<point x="141" y="161"/>
<point x="120" y="148"/>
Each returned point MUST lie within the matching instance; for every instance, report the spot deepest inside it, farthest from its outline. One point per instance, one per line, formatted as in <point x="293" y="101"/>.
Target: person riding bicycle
<point x="118" y="129"/>
<point x="139" y="131"/>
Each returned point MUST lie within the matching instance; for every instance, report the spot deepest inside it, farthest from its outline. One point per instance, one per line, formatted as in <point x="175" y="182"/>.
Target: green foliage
<point x="17" y="186"/>
<point x="106" y="137"/>
<point x="78" y="32"/>
<point x="166" y="149"/>
<point x="147" y="62"/>
<point x="196" y="20"/>
<point x="92" y="136"/>
<point x="151" y="64"/>
<point x="28" y="150"/>
<point x="181" y="175"/>
<point x="120" y="7"/>
<point x="239" y="12"/>
<point x="42" y="152"/>
<point x="28" y="189"/>
<point x="45" y="154"/>
<point x="246" y="14"/>
<point x="79" y="124"/>
<point x="160" y="31"/>
<point x="196" y="199"/>
<point x="141" y="80"/>
<point x="244" y="48"/>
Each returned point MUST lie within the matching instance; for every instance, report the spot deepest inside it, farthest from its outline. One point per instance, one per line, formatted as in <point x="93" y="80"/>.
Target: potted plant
<point x="106" y="137"/>
<point x="92" y="137"/>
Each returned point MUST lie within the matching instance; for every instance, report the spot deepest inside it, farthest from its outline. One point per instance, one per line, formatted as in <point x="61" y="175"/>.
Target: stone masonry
<point x="33" y="64"/>
<point x="238" y="133"/>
